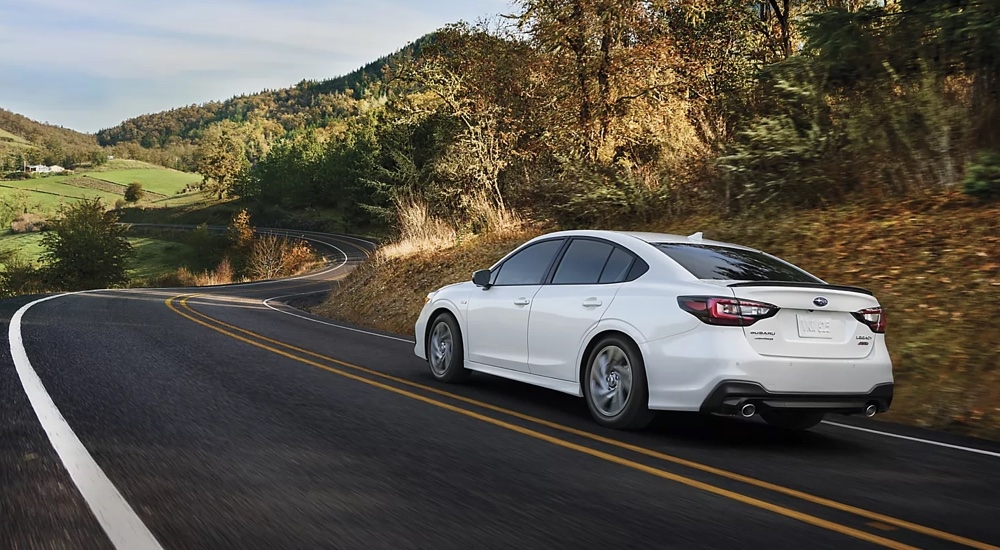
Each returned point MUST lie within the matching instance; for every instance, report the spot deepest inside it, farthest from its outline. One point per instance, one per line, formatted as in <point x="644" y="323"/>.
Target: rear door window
<point x="583" y="262"/>
<point x="725" y="263"/>
<point x="528" y="266"/>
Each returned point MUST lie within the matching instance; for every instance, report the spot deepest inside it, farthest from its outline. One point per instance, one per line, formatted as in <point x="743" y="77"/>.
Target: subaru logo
<point x="820" y="301"/>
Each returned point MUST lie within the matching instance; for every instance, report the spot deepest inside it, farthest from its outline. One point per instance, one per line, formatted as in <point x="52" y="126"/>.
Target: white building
<point x="42" y="169"/>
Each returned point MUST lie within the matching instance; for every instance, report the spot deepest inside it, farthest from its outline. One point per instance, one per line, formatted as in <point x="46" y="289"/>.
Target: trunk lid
<point x="814" y="320"/>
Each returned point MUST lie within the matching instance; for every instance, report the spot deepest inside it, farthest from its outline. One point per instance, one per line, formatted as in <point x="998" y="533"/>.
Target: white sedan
<point x="640" y="322"/>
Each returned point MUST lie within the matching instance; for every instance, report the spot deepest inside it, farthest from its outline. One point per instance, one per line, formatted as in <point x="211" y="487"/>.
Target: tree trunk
<point x="583" y="81"/>
<point x="604" y="78"/>
<point x="782" y="13"/>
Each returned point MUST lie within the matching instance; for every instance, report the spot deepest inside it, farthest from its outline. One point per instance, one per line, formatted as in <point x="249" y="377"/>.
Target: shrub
<point x="793" y="153"/>
<point x="272" y="256"/>
<point x="240" y="231"/>
<point x="582" y="194"/>
<point x="221" y="275"/>
<point x="86" y="248"/>
<point x="982" y="177"/>
<point x="29" y="223"/>
<point x="134" y="192"/>
<point x="19" y="276"/>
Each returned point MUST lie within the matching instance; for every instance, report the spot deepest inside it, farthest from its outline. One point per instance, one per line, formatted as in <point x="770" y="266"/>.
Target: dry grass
<point x="388" y="294"/>
<point x="932" y="260"/>
<point x="29" y="223"/>
<point x="183" y="277"/>
<point x="419" y="231"/>
<point x="490" y="217"/>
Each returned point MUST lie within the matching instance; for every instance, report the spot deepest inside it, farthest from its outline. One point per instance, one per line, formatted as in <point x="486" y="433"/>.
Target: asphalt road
<point x="231" y="420"/>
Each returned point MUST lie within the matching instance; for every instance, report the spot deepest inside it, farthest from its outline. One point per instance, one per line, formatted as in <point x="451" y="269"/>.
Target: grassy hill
<point x="9" y="139"/>
<point x="25" y="140"/>
<point x="43" y="194"/>
<point x="932" y="261"/>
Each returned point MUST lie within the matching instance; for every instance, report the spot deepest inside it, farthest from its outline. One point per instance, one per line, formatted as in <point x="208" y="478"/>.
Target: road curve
<point x="224" y="418"/>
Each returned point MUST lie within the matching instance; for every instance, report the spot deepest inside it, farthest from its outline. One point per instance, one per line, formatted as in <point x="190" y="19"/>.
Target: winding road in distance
<point x="221" y="417"/>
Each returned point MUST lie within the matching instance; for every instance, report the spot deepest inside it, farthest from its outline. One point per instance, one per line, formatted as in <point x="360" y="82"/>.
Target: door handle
<point x="592" y="302"/>
<point x="522" y="302"/>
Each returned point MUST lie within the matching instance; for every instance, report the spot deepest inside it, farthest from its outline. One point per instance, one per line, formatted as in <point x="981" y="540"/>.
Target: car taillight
<point x="726" y="311"/>
<point x="874" y="317"/>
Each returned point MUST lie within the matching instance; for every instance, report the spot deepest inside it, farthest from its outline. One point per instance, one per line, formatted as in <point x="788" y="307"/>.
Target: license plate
<point x="815" y="327"/>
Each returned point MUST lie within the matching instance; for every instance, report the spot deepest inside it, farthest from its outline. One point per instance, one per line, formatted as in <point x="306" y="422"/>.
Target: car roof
<point x="645" y="236"/>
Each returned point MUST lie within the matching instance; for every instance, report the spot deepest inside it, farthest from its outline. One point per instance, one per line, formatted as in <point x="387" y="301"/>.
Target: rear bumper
<point x="730" y="396"/>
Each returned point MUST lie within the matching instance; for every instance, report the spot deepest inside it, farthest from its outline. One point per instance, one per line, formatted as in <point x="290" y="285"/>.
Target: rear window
<point x="724" y="263"/>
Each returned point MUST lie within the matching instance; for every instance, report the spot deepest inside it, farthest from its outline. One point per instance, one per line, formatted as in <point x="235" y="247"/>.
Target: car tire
<point x="445" y="350"/>
<point x="614" y="384"/>
<point x="792" y="420"/>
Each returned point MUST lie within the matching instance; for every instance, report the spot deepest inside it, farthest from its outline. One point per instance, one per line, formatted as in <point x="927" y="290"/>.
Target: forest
<point x="592" y="112"/>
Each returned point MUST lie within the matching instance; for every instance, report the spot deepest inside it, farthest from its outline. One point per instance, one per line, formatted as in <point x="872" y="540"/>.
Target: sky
<point x="89" y="64"/>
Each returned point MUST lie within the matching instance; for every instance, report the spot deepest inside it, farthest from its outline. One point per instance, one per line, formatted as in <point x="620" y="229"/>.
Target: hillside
<point x="306" y="104"/>
<point x="931" y="261"/>
<point x="23" y="140"/>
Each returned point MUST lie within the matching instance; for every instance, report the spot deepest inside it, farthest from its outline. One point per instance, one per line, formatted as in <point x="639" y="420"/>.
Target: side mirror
<point x="481" y="278"/>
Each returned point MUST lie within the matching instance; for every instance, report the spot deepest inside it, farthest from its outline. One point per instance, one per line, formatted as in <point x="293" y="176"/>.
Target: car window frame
<point x="614" y="246"/>
<point x="547" y="273"/>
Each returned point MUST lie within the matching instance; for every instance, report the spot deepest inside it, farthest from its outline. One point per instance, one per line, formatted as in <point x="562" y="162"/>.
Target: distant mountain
<point x="307" y="104"/>
<point x="23" y="140"/>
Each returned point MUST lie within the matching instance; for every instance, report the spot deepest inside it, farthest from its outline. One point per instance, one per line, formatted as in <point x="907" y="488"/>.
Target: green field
<point x="162" y="181"/>
<point x="154" y="257"/>
<point x="28" y="245"/>
<point x="44" y="197"/>
<point x="46" y="193"/>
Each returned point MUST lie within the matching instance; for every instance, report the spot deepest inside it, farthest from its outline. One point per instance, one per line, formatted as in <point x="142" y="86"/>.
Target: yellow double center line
<point x="258" y="339"/>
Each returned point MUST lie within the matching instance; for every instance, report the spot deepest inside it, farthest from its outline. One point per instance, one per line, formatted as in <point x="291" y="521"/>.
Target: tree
<point x="240" y="232"/>
<point x="134" y="192"/>
<point x="86" y="248"/>
<point x="223" y="158"/>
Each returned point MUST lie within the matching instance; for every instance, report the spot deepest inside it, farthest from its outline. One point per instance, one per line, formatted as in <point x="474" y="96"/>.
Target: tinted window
<point x="719" y="262"/>
<point x="583" y="262"/>
<point x="639" y="268"/>
<point x="528" y="266"/>
<point x="617" y="267"/>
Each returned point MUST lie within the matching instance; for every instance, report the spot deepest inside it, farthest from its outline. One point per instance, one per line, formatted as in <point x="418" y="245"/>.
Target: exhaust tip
<point x="748" y="410"/>
<point x="870" y="410"/>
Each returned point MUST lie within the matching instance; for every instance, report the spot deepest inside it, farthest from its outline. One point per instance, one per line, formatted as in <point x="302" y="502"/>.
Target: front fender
<point x="431" y="310"/>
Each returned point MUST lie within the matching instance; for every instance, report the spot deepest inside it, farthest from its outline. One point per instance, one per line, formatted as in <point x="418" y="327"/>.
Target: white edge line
<point x="916" y="439"/>
<point x="342" y="263"/>
<point x="307" y="275"/>
<point x="117" y="518"/>
<point x="269" y="306"/>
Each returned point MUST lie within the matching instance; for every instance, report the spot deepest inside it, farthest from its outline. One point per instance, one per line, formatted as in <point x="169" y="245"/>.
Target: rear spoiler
<point x="824" y="286"/>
